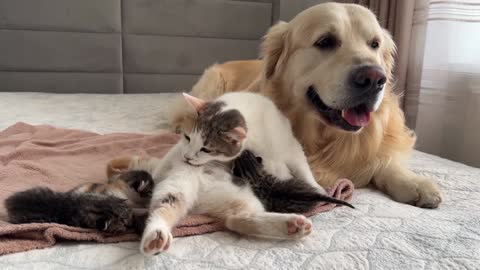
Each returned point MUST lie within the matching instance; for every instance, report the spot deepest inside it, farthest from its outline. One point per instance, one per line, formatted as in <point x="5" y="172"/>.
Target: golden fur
<point x="290" y="63"/>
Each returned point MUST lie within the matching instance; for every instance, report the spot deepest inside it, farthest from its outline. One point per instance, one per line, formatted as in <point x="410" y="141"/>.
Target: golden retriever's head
<point x="334" y="57"/>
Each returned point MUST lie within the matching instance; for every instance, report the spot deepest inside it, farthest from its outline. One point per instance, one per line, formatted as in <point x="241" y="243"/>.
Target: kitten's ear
<point x="236" y="135"/>
<point x="196" y="103"/>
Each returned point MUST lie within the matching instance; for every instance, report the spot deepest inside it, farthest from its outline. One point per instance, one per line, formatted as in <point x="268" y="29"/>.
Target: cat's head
<point x="218" y="133"/>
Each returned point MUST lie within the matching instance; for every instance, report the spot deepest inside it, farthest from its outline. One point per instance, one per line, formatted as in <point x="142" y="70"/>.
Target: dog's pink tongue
<point x="356" y="118"/>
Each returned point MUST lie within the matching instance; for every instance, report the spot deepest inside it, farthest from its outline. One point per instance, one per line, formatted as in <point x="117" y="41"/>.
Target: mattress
<point x="379" y="234"/>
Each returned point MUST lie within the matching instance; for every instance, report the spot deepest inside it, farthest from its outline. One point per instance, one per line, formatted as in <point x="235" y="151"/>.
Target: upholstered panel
<point x="24" y="50"/>
<point x="182" y="55"/>
<point x="183" y="37"/>
<point x="124" y="46"/>
<point x="61" y="15"/>
<point x="197" y="18"/>
<point x="61" y="82"/>
<point x="65" y="46"/>
<point x="159" y="83"/>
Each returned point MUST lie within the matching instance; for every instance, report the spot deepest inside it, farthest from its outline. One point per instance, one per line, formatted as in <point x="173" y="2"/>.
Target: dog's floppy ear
<point x="389" y="51"/>
<point x="273" y="48"/>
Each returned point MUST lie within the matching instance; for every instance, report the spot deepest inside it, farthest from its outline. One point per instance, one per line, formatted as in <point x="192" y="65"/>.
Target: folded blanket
<point x="62" y="159"/>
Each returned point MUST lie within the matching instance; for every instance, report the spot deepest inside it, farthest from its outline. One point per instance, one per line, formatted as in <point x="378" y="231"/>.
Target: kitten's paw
<point x="141" y="181"/>
<point x="111" y="215"/>
<point x="299" y="226"/>
<point x="155" y="241"/>
<point x="113" y="225"/>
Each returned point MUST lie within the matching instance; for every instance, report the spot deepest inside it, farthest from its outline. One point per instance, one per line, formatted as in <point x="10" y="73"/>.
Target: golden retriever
<point x="330" y="71"/>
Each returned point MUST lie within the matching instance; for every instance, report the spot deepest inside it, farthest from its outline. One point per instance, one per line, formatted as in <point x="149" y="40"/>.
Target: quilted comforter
<point x="379" y="234"/>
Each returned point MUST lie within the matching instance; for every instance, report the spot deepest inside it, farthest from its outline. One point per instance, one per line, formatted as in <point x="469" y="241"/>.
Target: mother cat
<point x="330" y="72"/>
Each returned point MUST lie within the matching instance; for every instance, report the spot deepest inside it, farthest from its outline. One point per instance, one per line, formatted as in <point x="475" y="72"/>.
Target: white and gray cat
<point x="196" y="174"/>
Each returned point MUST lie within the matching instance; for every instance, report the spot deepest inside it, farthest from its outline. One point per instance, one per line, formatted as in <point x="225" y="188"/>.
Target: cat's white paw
<point x="155" y="240"/>
<point x="298" y="226"/>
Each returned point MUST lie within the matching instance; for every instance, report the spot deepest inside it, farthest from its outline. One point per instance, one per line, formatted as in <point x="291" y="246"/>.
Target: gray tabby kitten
<point x="112" y="207"/>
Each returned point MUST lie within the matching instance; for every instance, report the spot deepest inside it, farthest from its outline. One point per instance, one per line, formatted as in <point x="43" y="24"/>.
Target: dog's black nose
<point x="368" y="78"/>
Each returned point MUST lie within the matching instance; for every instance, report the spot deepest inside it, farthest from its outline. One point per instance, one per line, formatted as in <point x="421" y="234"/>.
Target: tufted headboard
<point x="125" y="46"/>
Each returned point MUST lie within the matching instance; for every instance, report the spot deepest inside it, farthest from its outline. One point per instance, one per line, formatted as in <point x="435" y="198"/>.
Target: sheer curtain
<point x="445" y="111"/>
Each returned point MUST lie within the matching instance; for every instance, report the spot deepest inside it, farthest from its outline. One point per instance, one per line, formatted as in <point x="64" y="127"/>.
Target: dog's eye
<point x="374" y="44"/>
<point x="203" y="149"/>
<point x="326" y="42"/>
<point x="186" y="137"/>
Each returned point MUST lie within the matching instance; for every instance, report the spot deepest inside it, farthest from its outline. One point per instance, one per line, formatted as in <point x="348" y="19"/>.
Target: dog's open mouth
<point x="349" y="119"/>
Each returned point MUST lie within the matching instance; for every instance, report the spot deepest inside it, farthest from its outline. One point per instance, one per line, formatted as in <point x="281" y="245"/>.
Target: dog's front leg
<point x="405" y="186"/>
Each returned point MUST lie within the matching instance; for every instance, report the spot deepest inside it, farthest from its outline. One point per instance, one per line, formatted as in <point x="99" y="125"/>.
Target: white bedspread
<point x="379" y="234"/>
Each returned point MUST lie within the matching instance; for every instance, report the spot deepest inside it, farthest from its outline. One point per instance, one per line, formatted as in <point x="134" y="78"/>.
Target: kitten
<point x="195" y="175"/>
<point x="42" y="205"/>
<point x="290" y="196"/>
<point x="224" y="123"/>
<point x="135" y="187"/>
<point x="108" y="207"/>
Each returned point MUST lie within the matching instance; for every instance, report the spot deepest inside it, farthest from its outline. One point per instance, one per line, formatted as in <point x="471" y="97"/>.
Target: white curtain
<point x="445" y="111"/>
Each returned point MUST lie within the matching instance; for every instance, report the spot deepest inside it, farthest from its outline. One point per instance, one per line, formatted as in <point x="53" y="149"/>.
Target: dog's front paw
<point x="155" y="240"/>
<point x="429" y="194"/>
<point x="415" y="190"/>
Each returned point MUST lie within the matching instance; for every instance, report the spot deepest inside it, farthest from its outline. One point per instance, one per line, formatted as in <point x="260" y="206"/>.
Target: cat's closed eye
<point x="203" y="149"/>
<point x="186" y="137"/>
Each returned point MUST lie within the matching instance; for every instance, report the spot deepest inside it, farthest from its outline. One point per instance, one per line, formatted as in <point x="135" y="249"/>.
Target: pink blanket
<point x="61" y="159"/>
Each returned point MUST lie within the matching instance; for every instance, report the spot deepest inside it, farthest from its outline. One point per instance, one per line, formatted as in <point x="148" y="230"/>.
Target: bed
<point x="379" y="234"/>
<point x="118" y="47"/>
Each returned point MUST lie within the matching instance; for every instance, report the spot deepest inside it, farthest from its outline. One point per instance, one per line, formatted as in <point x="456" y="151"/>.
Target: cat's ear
<point x="236" y="135"/>
<point x="196" y="103"/>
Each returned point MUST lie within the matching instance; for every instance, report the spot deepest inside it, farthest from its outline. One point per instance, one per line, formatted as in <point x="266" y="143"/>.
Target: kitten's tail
<point x="301" y="194"/>
<point x="324" y="198"/>
<point x="291" y="197"/>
